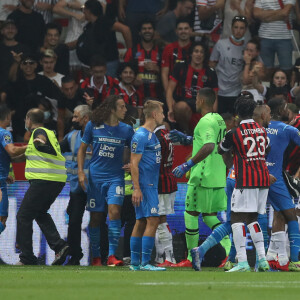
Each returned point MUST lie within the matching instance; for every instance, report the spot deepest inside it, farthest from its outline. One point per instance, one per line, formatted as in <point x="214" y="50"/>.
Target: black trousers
<point x="75" y="211"/>
<point x="128" y="221"/>
<point x="37" y="201"/>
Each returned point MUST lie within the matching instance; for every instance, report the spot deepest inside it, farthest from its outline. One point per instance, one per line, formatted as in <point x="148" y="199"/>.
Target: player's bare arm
<point x="137" y="195"/>
<point x="80" y="160"/>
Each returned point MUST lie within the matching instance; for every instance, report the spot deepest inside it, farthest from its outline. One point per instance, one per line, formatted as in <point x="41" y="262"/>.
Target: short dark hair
<point x="35" y="115"/>
<point x="4" y="111"/>
<point x="133" y="66"/>
<point x="95" y="7"/>
<point x="244" y="106"/>
<point x="255" y="41"/>
<point x="239" y="19"/>
<point x="208" y="94"/>
<point x="147" y="21"/>
<point x="275" y="104"/>
<point x="97" y="61"/>
<point x="183" y="20"/>
<point x="67" y="79"/>
<point x="55" y="26"/>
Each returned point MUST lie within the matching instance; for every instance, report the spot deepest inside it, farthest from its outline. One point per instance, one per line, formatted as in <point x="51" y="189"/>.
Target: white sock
<point x="280" y="245"/>
<point x="159" y="249"/>
<point x="272" y="251"/>
<point x="258" y="239"/>
<point x="239" y="238"/>
<point x="166" y="240"/>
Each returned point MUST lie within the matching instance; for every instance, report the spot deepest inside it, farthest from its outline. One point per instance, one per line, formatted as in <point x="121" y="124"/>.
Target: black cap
<point x="29" y="57"/>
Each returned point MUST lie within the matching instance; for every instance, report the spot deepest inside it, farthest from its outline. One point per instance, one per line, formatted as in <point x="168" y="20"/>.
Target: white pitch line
<point x="261" y="284"/>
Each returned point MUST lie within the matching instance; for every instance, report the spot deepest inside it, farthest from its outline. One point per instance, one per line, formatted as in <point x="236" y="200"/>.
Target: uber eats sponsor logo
<point x="107" y="151"/>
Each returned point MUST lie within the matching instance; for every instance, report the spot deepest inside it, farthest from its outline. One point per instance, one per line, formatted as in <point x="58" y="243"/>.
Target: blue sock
<point x="94" y="233"/>
<point x="2" y="227"/>
<point x="114" y="229"/>
<point x="232" y="253"/>
<point x="215" y="237"/>
<point x="147" y="247"/>
<point x="263" y="223"/>
<point x="135" y="249"/>
<point x="294" y="237"/>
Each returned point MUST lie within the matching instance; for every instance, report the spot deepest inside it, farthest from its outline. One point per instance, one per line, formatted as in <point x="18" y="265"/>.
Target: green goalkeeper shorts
<point x="205" y="200"/>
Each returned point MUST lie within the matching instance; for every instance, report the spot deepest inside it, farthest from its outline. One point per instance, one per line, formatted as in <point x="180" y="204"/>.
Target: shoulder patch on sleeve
<point x="7" y="138"/>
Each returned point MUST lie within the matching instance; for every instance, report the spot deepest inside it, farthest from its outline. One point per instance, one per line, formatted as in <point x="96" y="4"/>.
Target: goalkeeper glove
<point x="179" y="171"/>
<point x="179" y="137"/>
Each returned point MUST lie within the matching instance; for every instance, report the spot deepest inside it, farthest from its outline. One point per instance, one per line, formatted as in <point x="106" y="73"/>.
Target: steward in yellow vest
<point x="46" y="172"/>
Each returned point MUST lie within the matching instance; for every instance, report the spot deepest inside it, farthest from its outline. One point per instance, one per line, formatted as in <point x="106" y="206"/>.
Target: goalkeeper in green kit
<point x="205" y="194"/>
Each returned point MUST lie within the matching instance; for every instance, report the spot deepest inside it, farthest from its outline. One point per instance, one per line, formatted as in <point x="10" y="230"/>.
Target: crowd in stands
<point x="71" y="52"/>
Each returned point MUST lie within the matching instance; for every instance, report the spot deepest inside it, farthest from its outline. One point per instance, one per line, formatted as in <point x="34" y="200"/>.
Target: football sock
<point x="215" y="237"/>
<point x="213" y="222"/>
<point x="165" y="237"/>
<point x="279" y="239"/>
<point x="191" y="232"/>
<point x="239" y="238"/>
<point x="232" y="253"/>
<point x="158" y="248"/>
<point x="135" y="249"/>
<point x="2" y="227"/>
<point x="294" y="237"/>
<point x="263" y="223"/>
<point x="272" y="251"/>
<point x="147" y="247"/>
<point x="94" y="233"/>
<point x="258" y="239"/>
<point x="114" y="229"/>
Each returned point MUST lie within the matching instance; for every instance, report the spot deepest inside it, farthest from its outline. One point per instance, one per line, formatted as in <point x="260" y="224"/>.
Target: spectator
<point x="51" y="41"/>
<point x="147" y="55"/>
<point x="166" y="26"/>
<point x="9" y="48"/>
<point x="133" y="12"/>
<point x="132" y="97"/>
<point x="30" y="25"/>
<point x="295" y="79"/>
<point x="72" y="97"/>
<point x="177" y="51"/>
<point x="99" y="37"/>
<point x="72" y="9"/>
<point x="98" y="86"/>
<point x="189" y="78"/>
<point x="48" y="62"/>
<point x="253" y="70"/>
<point x="275" y="32"/>
<point x="293" y="111"/>
<point x="236" y="8"/>
<point x="45" y="8"/>
<point x="227" y="57"/>
<point x="208" y="19"/>
<point x="21" y="94"/>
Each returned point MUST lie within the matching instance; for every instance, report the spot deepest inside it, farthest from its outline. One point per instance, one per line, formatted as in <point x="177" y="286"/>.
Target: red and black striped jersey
<point x="99" y="95"/>
<point x="249" y="142"/>
<point x="167" y="182"/>
<point x="190" y="80"/>
<point x="173" y="54"/>
<point x="292" y="153"/>
<point x="151" y="86"/>
<point x="134" y="99"/>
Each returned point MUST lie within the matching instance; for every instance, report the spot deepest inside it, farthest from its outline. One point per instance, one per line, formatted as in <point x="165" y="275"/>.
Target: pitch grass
<point x="24" y="282"/>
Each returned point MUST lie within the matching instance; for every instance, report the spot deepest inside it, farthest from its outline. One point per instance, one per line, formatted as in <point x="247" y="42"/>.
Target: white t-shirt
<point x="3" y="12"/>
<point x="56" y="79"/>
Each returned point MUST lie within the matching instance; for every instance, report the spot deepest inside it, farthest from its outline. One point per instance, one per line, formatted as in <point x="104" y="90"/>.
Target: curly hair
<point x="244" y="106"/>
<point x="102" y="112"/>
<point x="205" y="49"/>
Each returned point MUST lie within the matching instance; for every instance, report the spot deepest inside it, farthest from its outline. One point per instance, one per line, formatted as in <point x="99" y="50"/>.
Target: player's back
<point x="5" y="138"/>
<point x="250" y="142"/>
<point x="146" y="143"/>
<point x="210" y="172"/>
<point x="280" y="136"/>
<point x="108" y="146"/>
<point x="167" y="182"/>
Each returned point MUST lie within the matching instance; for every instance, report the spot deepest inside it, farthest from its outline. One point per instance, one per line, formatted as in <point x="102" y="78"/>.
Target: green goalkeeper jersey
<point x="210" y="172"/>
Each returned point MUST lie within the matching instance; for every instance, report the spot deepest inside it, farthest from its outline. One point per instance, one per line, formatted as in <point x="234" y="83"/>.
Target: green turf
<point x="20" y="282"/>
